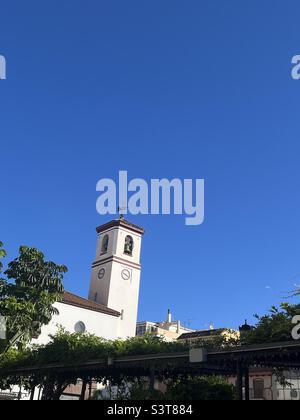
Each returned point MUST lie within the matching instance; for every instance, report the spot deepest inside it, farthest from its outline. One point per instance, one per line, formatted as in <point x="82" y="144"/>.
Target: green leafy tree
<point x="274" y="327"/>
<point x="133" y="389"/>
<point x="66" y="348"/>
<point x="27" y="296"/>
<point x="202" y="388"/>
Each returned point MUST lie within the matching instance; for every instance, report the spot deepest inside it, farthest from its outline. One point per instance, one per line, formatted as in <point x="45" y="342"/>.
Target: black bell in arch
<point x="129" y="245"/>
<point x="104" y="245"/>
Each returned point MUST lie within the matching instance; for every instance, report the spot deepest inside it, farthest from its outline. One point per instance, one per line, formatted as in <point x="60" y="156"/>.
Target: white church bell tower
<point x="115" y="280"/>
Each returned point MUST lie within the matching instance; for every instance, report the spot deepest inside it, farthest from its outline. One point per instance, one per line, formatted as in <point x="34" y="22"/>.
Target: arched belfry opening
<point x="104" y="245"/>
<point x="129" y="245"/>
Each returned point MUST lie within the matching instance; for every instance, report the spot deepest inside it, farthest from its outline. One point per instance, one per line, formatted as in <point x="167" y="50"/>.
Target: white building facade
<point x="169" y="330"/>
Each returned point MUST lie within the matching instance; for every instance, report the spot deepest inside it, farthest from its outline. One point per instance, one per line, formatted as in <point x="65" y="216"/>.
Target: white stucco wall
<point x="102" y="325"/>
<point x="124" y="297"/>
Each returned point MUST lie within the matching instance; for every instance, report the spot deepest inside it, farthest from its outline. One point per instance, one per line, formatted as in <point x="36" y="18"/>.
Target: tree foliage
<point x="274" y="327"/>
<point x="133" y="389"/>
<point x="183" y="388"/>
<point x="67" y="348"/>
<point x="202" y="388"/>
<point x="27" y="295"/>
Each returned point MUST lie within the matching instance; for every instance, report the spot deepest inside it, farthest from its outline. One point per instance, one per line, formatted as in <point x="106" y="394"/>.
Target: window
<point x="80" y="327"/>
<point x="294" y="394"/>
<point x="258" y="388"/>
<point x="141" y="329"/>
<point x="104" y="246"/>
<point x="128" y="248"/>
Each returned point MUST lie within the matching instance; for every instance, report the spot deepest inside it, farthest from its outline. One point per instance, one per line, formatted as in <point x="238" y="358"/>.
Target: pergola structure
<point x="196" y="362"/>
<point x="285" y="355"/>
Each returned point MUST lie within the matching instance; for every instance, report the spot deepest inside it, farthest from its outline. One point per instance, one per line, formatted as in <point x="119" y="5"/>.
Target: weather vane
<point x="121" y="210"/>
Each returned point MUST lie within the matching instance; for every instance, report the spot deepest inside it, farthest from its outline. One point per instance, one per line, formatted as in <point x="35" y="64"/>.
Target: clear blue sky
<point x="197" y="89"/>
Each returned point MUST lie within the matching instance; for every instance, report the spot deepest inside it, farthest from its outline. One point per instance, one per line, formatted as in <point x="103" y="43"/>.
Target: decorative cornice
<point x="121" y="223"/>
<point x="118" y="260"/>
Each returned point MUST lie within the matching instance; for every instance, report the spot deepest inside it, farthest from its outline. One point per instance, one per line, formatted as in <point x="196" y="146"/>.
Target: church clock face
<point x="126" y="275"/>
<point x="101" y="273"/>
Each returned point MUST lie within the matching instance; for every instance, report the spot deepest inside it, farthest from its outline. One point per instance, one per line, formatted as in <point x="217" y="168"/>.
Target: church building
<point x="110" y="311"/>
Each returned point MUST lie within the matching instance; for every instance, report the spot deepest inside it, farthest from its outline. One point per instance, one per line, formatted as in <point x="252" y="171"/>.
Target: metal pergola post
<point x="83" y="391"/>
<point x="239" y="382"/>
<point x="247" y="384"/>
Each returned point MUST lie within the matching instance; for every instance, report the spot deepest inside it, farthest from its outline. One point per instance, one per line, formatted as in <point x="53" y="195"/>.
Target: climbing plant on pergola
<point x="72" y="357"/>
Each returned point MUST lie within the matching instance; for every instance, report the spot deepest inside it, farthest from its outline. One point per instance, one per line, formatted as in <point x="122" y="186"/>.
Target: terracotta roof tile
<point x="74" y="300"/>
